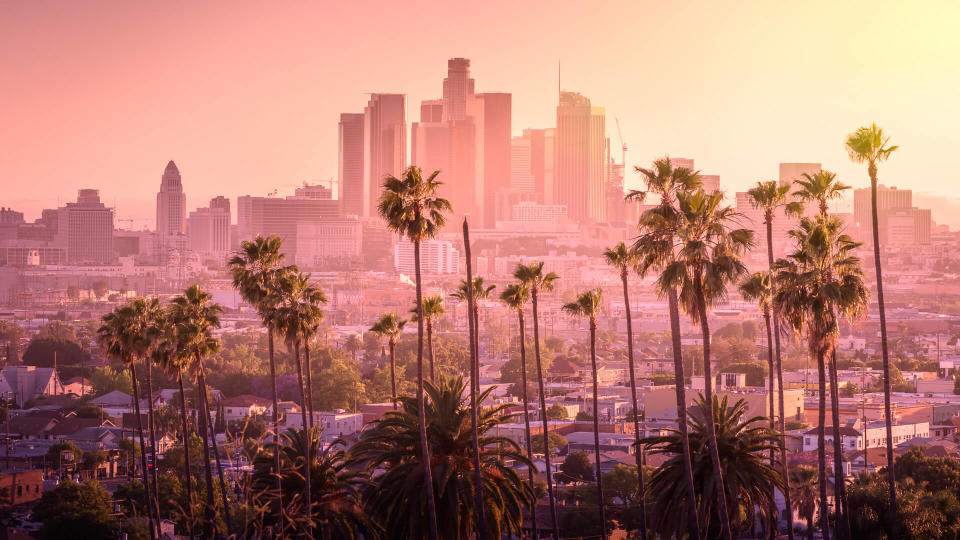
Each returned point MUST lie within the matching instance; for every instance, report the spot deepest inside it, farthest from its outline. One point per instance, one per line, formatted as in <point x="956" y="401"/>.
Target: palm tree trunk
<point x="421" y="408"/>
<point x="151" y="507"/>
<point x="596" y="428"/>
<point x="309" y="370"/>
<point x="821" y="449"/>
<point x="202" y="419"/>
<point x="693" y="524"/>
<point x="186" y="452"/>
<point x="393" y="370"/>
<point x="475" y="385"/>
<point x="306" y="450"/>
<point x="430" y="346"/>
<point x="888" y="415"/>
<point x="772" y="533"/>
<point x="278" y="499"/>
<point x="216" y="454"/>
<point x="636" y="408"/>
<point x="776" y="341"/>
<point x="526" y="417"/>
<point x="840" y="489"/>
<point x="153" y="436"/>
<point x="721" y="494"/>
<point x="555" y="523"/>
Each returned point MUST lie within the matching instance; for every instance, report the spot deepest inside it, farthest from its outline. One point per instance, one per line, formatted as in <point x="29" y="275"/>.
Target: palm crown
<point x="621" y="257"/>
<point x="298" y="310"/>
<point x="515" y="295"/>
<point x="869" y="145"/>
<point x="390" y="326"/>
<point x="757" y="287"/>
<point x="195" y="318"/>
<point x="410" y="204"/>
<point x="533" y="277"/>
<point x="481" y="291"/>
<point x="820" y="188"/>
<point x="254" y="268"/>
<point x="587" y="304"/>
<point x="665" y="181"/>
<point x="433" y="308"/>
<point x="770" y="195"/>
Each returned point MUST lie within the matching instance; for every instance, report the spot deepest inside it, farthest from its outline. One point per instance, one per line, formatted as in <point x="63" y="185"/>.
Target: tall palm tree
<point x="433" y="309"/>
<point x="171" y="360"/>
<point x="390" y="326"/>
<point x="297" y="315"/>
<point x="588" y="305"/>
<point x="481" y="291"/>
<point x="771" y="197"/>
<point x="396" y="497"/>
<point x="196" y="317"/>
<point x="256" y="270"/>
<point x="870" y="145"/>
<point x="536" y="280"/>
<point x="123" y="339"/>
<point x="701" y="231"/>
<point x="748" y="478"/>
<point x="412" y="209"/>
<point x="819" y="282"/>
<point x="624" y="259"/>
<point x="666" y="182"/>
<point x="803" y="482"/>
<point x="515" y="296"/>
<point x="146" y="311"/>
<point x="353" y="345"/>
<point x="819" y="189"/>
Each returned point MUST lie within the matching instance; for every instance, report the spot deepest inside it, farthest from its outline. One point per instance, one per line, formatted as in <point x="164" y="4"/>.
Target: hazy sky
<point x="245" y="96"/>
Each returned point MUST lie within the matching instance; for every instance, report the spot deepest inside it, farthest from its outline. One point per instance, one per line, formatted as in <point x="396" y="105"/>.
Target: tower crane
<point x="623" y="146"/>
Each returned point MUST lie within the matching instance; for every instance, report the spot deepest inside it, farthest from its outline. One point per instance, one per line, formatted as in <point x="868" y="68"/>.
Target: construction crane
<point x="623" y="147"/>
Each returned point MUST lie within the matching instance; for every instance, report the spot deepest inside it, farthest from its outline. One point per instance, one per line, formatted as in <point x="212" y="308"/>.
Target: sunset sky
<point x="245" y="96"/>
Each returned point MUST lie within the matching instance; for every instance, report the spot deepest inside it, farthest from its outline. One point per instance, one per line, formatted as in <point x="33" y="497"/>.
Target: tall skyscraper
<point x="384" y="145"/>
<point x="581" y="151"/>
<point x="85" y="228"/>
<point x="273" y="215"/>
<point x="350" y="163"/>
<point x="171" y="203"/>
<point x="457" y="87"/>
<point x="491" y="112"/>
<point x="209" y="228"/>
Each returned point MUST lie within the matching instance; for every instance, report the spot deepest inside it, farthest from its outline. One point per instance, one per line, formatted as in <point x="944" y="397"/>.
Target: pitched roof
<point x="115" y="398"/>
<point x="71" y="425"/>
<point x="245" y="400"/>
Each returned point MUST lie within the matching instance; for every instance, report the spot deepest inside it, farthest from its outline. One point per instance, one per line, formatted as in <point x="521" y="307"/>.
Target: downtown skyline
<point x="269" y="120"/>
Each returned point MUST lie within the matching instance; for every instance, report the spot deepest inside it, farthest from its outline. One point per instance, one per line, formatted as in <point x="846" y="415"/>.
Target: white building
<point x="876" y="436"/>
<point x="23" y="383"/>
<point x="436" y="257"/>
<point x="328" y="239"/>
<point x="531" y="212"/>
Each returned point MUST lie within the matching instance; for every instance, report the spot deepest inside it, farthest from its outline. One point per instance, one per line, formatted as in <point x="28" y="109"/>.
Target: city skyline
<point x="903" y="84"/>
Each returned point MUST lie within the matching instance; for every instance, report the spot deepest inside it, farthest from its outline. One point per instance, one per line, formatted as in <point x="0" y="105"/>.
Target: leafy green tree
<point x="557" y="412"/>
<point x="43" y="347"/>
<point x="396" y="498"/>
<point x="576" y="467"/>
<point x="107" y="379"/>
<point x="555" y="440"/>
<point x="78" y="511"/>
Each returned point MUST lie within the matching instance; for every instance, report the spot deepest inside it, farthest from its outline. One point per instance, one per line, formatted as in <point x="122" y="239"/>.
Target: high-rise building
<point x="431" y="110"/>
<point x="899" y="222"/>
<point x="491" y="113"/>
<point x="85" y="228"/>
<point x="436" y="257"/>
<point x="171" y="203"/>
<point x="791" y="172"/>
<point x="273" y="215"/>
<point x="581" y="151"/>
<point x="887" y="199"/>
<point x="332" y="240"/>
<point x="457" y="87"/>
<point x="384" y="145"/>
<point x="350" y="163"/>
<point x="209" y="228"/>
<point x="682" y="163"/>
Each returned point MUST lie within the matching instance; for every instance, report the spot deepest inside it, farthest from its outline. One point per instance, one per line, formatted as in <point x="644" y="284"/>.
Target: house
<point x="34" y="425"/>
<point x="25" y="383"/>
<point x="72" y="424"/>
<point x="21" y="486"/>
<point x="114" y="403"/>
<point x="242" y="406"/>
<point x="77" y="386"/>
<point x="582" y="441"/>
<point x="873" y="436"/>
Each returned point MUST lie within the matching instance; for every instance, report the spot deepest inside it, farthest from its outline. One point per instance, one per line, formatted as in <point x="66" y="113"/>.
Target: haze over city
<point x="449" y="271"/>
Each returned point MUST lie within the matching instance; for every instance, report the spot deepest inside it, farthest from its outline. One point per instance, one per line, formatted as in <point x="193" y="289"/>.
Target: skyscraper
<point x="457" y="87"/>
<point x="209" y="228"/>
<point x="85" y="228"/>
<point x="273" y="215"/>
<point x="350" y="163"/>
<point x="491" y="112"/>
<point x="171" y="203"/>
<point x="384" y="145"/>
<point x="581" y="151"/>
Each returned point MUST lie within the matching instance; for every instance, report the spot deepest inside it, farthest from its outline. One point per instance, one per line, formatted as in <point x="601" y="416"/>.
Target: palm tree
<point x="169" y="357"/>
<point x="390" y="326"/>
<point x="770" y="197"/>
<point x="353" y="345"/>
<point x="820" y="188"/>
<point x="195" y="318"/>
<point x="396" y="497"/>
<point x="412" y="209"/>
<point x="871" y="145"/>
<point x="515" y="297"/>
<point x="803" y="482"/>
<point x="337" y="502"/>
<point x="256" y="270"/>
<point x="624" y="259"/>
<point x="666" y="182"/>
<point x="708" y="249"/>
<point x="146" y="312"/>
<point x="588" y="306"/>
<point x="748" y="478"/>
<point x="820" y="281"/>
<point x="481" y="291"/>
<point x="297" y="315"/>
<point x="432" y="310"/>
<point x="122" y="339"/>
<point x="533" y="277"/>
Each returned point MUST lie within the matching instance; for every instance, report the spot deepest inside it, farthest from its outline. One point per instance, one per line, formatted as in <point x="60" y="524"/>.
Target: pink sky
<point x="245" y="96"/>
